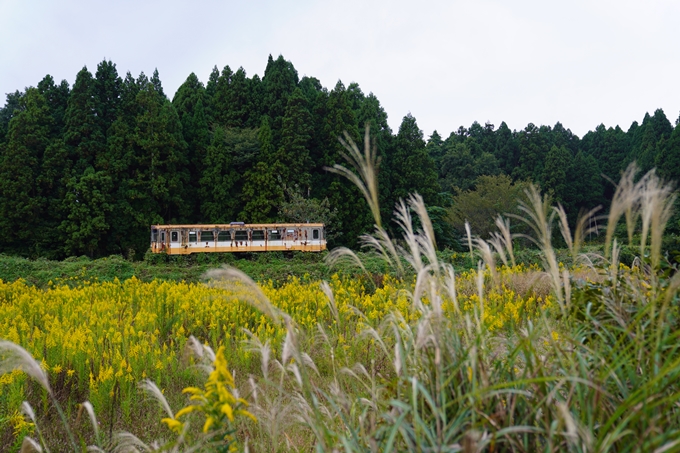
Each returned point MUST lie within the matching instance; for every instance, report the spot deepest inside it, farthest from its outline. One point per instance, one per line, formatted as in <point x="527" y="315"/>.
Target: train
<point x="238" y="237"/>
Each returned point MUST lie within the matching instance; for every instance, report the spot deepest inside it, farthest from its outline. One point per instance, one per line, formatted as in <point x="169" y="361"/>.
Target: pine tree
<point x="22" y="206"/>
<point x="86" y="226"/>
<point x="239" y="103"/>
<point x="296" y="135"/>
<point x="262" y="194"/>
<point x="210" y="91"/>
<point x="107" y="90"/>
<point x="13" y="107"/>
<point x="554" y="180"/>
<point x="83" y="133"/>
<point x="353" y="212"/>
<point x="645" y="139"/>
<point x="668" y="160"/>
<point x="222" y="97"/>
<point x="218" y="181"/>
<point x="189" y="103"/>
<point x="507" y="149"/>
<point x="127" y="218"/>
<point x="533" y="147"/>
<point x="157" y="85"/>
<point x="412" y="169"/>
<point x="584" y="188"/>
<point x="87" y="184"/>
<point x="56" y="97"/>
<point x="161" y="154"/>
<point x="279" y="81"/>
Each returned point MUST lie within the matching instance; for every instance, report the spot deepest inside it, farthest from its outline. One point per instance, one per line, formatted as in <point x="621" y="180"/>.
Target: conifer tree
<point x="22" y="206"/>
<point x="56" y="97"/>
<point x="161" y="154"/>
<point x="189" y="102"/>
<point x="12" y="108"/>
<point x="554" y="180"/>
<point x="353" y="213"/>
<point x="107" y="89"/>
<point x="263" y="185"/>
<point x="219" y="202"/>
<point x="83" y="135"/>
<point x="262" y="193"/>
<point x="668" y="160"/>
<point x="412" y="169"/>
<point x="584" y="188"/>
<point x="157" y="85"/>
<point x="296" y="135"/>
<point x="507" y="151"/>
<point x="222" y="97"/>
<point x="239" y="106"/>
<point x="533" y="145"/>
<point x="279" y="81"/>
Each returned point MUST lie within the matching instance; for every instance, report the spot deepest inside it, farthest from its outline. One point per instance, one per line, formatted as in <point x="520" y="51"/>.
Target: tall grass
<point x="598" y="372"/>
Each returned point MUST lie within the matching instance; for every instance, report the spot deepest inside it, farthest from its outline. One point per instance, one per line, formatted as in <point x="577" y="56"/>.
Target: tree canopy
<point x="85" y="169"/>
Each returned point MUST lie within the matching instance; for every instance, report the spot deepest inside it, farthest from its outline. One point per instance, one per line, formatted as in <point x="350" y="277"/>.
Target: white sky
<point x="449" y="63"/>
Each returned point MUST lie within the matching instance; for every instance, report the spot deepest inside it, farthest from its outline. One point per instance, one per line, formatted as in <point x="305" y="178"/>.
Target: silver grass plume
<point x="366" y="167"/>
<point x="14" y="357"/>
<point x="243" y="288"/>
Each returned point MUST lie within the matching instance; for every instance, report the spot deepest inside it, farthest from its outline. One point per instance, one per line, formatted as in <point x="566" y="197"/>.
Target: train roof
<point x="238" y="225"/>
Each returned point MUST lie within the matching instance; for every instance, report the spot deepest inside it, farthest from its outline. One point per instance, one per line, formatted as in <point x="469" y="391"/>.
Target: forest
<point x="85" y="169"/>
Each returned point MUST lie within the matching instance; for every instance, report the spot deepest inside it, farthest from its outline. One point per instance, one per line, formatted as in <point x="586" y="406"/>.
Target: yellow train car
<point x="237" y="237"/>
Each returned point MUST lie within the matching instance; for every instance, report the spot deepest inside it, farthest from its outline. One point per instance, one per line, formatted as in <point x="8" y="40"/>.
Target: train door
<point x="174" y="239"/>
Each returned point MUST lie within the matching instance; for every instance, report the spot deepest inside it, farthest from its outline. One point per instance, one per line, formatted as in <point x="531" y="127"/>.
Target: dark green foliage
<point x="296" y="136"/>
<point x="298" y="208"/>
<point x="459" y="168"/>
<point x="56" y="97"/>
<point x="107" y="90"/>
<point x="230" y="155"/>
<point x="157" y="86"/>
<point x="262" y="193"/>
<point x="12" y="108"/>
<point x="189" y="103"/>
<point x="412" y="169"/>
<point x="353" y="211"/>
<point x="86" y="226"/>
<point x="493" y="195"/>
<point x="610" y="148"/>
<point x="91" y="166"/>
<point x="533" y="147"/>
<point x="232" y="102"/>
<point x="84" y="135"/>
<point x="161" y="155"/>
<point x="279" y="81"/>
<point x="507" y="149"/>
<point x="645" y="139"/>
<point x="668" y="159"/>
<point x="557" y="164"/>
<point x="22" y="205"/>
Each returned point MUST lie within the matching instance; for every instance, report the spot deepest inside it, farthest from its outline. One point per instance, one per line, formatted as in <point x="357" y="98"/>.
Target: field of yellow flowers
<point x="98" y="339"/>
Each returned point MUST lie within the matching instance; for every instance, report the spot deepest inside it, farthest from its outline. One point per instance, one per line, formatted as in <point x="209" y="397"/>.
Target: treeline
<point x="86" y="169"/>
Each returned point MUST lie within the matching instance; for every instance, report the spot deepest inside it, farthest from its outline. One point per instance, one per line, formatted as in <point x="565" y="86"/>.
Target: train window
<point x="193" y="237"/>
<point x="241" y="235"/>
<point x="162" y="236"/>
<point x="224" y="236"/>
<point x="174" y="236"/>
<point x="207" y="236"/>
<point x="274" y="235"/>
<point x="258" y="235"/>
<point x="315" y="234"/>
<point x="154" y="235"/>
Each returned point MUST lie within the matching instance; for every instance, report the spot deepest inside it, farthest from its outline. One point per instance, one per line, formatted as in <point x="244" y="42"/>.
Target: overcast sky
<point x="449" y="63"/>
